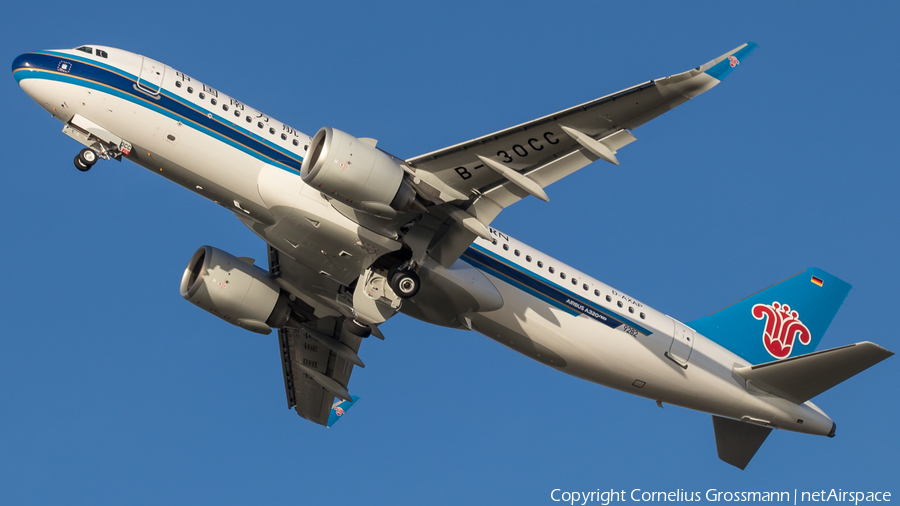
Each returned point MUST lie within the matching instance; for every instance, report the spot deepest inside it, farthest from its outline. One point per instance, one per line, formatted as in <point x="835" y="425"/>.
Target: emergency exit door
<point x="682" y="344"/>
<point x="151" y="78"/>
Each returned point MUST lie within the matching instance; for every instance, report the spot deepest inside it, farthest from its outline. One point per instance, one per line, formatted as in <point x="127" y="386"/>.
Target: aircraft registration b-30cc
<point x="356" y="235"/>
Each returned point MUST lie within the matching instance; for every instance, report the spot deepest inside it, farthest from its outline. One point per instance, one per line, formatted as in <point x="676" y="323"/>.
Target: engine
<point x="236" y="291"/>
<point x="360" y="175"/>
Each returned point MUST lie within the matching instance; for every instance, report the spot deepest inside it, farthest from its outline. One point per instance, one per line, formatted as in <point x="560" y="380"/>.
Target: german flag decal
<point x="817" y="281"/>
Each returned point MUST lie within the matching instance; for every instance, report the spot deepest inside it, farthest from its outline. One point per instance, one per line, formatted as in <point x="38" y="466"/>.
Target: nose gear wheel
<point x="85" y="159"/>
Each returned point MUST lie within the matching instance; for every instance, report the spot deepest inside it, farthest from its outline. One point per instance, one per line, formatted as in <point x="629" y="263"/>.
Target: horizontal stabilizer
<point x="737" y="442"/>
<point x="801" y="378"/>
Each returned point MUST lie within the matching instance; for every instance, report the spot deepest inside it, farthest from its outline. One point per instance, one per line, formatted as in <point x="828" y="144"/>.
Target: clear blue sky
<point x="114" y="389"/>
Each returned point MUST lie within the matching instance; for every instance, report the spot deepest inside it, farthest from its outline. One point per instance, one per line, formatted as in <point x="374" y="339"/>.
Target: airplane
<point x="356" y="235"/>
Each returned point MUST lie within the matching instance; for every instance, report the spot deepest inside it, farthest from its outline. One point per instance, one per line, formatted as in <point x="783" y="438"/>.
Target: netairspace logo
<point x="607" y="497"/>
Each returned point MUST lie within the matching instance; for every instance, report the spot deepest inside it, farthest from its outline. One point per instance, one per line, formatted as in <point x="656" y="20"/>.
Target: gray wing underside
<point x="298" y="351"/>
<point x="306" y="363"/>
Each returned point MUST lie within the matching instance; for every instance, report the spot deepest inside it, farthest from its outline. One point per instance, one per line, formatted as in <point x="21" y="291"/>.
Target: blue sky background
<point x="114" y="389"/>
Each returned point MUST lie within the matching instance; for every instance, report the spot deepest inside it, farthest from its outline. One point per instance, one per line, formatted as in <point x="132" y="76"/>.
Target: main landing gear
<point x="404" y="281"/>
<point x="85" y="159"/>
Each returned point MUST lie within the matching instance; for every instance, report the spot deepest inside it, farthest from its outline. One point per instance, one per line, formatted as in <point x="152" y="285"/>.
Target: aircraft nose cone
<point x="22" y="62"/>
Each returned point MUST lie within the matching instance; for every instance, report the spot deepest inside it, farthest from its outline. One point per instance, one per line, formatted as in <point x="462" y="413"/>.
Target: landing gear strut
<point x="85" y="159"/>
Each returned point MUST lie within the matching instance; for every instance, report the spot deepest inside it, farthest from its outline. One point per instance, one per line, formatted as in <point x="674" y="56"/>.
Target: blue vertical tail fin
<point x="787" y="319"/>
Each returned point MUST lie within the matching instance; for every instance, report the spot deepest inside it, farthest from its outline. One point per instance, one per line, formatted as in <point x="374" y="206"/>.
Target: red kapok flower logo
<point x="783" y="326"/>
<point x="734" y="61"/>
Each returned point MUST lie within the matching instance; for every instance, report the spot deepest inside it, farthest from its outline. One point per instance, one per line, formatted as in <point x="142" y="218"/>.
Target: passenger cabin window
<point x="506" y="247"/>
<point x="540" y="264"/>
<point x="190" y="90"/>
<point x="597" y="293"/>
<point x="517" y="252"/>
<point x="527" y="258"/>
<point x="551" y="269"/>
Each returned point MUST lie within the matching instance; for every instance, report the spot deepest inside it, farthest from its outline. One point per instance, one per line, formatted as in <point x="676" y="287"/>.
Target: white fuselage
<point x="552" y="313"/>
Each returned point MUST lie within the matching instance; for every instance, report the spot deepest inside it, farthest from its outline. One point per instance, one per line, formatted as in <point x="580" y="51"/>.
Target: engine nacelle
<point x="360" y="175"/>
<point x="236" y="291"/>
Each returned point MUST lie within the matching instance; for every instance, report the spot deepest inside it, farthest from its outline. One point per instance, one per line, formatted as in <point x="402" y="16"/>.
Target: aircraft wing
<point x="314" y="375"/>
<point x="492" y="172"/>
<point x="318" y="358"/>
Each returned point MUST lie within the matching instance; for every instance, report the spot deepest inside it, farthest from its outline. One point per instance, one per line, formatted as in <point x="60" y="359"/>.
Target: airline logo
<point x="733" y="61"/>
<point x="64" y="66"/>
<point x="339" y="411"/>
<point x="783" y="327"/>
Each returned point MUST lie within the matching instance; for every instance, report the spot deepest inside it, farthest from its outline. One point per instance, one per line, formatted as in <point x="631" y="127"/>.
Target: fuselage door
<point x="151" y="78"/>
<point x="682" y="344"/>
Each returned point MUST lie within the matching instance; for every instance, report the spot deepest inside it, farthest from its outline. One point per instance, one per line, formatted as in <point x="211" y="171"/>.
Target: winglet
<point x="723" y="65"/>
<point x="703" y="78"/>
<point x="339" y="408"/>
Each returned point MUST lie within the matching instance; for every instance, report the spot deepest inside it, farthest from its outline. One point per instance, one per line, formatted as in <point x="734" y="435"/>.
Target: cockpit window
<point x="89" y="50"/>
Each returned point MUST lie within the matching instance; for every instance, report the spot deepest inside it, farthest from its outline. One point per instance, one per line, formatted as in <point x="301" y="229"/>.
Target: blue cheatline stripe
<point x="107" y="79"/>
<point x="549" y="292"/>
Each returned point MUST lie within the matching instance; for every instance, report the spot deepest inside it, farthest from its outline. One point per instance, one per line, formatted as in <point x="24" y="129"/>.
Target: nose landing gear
<point x="85" y="159"/>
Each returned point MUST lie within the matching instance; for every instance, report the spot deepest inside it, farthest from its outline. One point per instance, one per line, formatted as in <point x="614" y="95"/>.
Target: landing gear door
<point x="682" y="344"/>
<point x="151" y="78"/>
